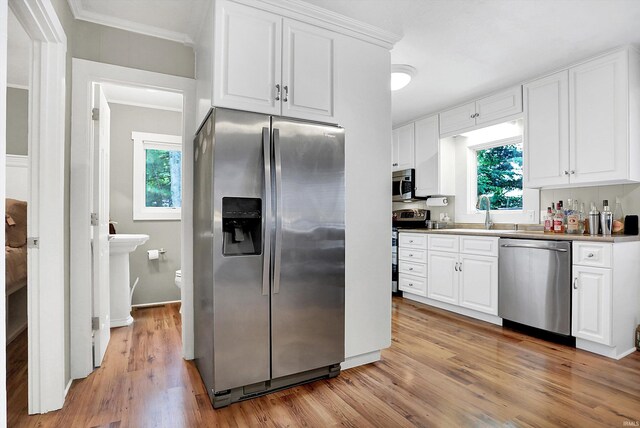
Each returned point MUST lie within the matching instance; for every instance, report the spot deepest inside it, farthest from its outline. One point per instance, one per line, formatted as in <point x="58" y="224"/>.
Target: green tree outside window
<point x="500" y="176"/>
<point x="163" y="173"/>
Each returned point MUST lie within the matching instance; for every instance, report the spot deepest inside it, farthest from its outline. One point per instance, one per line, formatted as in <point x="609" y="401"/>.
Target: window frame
<point x="468" y="189"/>
<point x="141" y="142"/>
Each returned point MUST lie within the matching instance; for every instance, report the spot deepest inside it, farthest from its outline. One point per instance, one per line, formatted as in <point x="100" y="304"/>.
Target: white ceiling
<point x="18" y="53"/>
<point x="142" y="97"/>
<point x="461" y="48"/>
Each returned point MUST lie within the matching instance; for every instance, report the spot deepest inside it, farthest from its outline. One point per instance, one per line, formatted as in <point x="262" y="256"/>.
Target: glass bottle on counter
<point x="548" y="221"/>
<point x="573" y="218"/>
<point x="584" y="221"/>
<point x="618" y="217"/>
<point x="558" y="219"/>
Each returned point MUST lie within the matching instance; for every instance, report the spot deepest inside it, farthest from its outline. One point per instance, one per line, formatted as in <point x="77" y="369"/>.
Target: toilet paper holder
<point x="162" y="251"/>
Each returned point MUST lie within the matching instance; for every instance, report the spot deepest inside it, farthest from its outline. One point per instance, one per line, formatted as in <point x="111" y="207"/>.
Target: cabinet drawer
<point x="592" y="254"/>
<point x="480" y="245"/>
<point x="444" y="243"/>
<point x="418" y="269"/>
<point x="418" y="256"/>
<point x="413" y="240"/>
<point x="413" y="284"/>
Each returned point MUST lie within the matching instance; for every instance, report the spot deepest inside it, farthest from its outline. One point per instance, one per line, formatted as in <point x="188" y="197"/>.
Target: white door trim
<point x="85" y="73"/>
<point x="45" y="218"/>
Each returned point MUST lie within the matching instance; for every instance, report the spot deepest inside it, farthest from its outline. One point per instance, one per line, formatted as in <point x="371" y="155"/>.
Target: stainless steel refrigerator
<point x="269" y="250"/>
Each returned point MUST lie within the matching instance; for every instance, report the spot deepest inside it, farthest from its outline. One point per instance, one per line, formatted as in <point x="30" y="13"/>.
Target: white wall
<point x="363" y="108"/>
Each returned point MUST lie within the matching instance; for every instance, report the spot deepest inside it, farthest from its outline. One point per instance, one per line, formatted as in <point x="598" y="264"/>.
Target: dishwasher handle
<point x="535" y="247"/>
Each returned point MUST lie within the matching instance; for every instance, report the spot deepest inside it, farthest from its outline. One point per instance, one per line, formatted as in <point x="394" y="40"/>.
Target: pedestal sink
<point x="120" y="246"/>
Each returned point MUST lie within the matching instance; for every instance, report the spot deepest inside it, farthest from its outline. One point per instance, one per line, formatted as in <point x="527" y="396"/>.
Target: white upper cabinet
<point x="599" y="119"/>
<point x="274" y="65"/>
<point x="582" y="124"/>
<point x="403" y="146"/>
<point x="546" y="131"/>
<point x="248" y="62"/>
<point x="457" y="119"/>
<point x="434" y="160"/>
<point x="308" y="71"/>
<point x="485" y="111"/>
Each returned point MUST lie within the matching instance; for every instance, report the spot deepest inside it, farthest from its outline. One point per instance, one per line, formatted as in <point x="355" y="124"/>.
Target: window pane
<point x="500" y="176"/>
<point x="163" y="178"/>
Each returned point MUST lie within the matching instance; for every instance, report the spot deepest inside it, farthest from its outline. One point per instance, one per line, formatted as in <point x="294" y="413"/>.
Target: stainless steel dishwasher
<point x="534" y="283"/>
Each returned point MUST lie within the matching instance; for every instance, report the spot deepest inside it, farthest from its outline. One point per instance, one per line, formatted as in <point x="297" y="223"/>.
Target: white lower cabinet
<point x="442" y="277"/>
<point x="479" y="283"/>
<point x="605" y="296"/>
<point x="591" y="312"/>
<point x="466" y="280"/>
<point x="412" y="263"/>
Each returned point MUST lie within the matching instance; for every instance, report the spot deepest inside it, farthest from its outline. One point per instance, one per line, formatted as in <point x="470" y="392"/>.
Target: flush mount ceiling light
<point x="401" y="75"/>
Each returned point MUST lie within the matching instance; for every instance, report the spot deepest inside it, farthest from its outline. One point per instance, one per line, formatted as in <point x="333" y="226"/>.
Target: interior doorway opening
<point x="17" y="204"/>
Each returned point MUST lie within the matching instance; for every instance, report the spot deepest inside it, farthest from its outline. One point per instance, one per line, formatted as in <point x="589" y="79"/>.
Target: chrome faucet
<point x="487" y="220"/>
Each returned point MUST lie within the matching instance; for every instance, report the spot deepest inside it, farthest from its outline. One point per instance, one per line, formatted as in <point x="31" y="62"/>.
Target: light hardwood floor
<point x="441" y="370"/>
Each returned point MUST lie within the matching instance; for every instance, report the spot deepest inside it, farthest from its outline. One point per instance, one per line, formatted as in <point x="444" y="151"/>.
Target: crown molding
<point x="313" y="14"/>
<point x="80" y="13"/>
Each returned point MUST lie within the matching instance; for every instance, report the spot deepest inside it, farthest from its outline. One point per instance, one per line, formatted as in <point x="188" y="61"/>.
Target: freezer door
<point x="307" y="302"/>
<point x="240" y="296"/>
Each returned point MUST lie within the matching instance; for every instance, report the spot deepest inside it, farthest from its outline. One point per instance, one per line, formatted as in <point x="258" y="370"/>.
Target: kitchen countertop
<point x="526" y="234"/>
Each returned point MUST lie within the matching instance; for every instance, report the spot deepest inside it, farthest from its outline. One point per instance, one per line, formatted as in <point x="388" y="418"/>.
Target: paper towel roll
<point x="437" y="202"/>
<point x="153" y="254"/>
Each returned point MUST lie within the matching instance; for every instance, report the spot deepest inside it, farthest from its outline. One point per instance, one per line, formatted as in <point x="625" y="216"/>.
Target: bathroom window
<point x="157" y="176"/>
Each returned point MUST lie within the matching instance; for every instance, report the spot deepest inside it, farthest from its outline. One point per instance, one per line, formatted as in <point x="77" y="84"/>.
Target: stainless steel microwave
<point x="403" y="185"/>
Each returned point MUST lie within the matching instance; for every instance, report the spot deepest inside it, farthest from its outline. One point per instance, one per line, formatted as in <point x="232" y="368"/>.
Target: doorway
<point x="19" y="52"/>
<point x="45" y="210"/>
<point x="149" y="149"/>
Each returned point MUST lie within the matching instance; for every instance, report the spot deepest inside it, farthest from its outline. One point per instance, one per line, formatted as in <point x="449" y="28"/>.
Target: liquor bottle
<point x="618" y="217"/>
<point x="548" y="221"/>
<point x="573" y="219"/>
<point x="558" y="219"/>
<point x="606" y="219"/>
<point x="584" y="222"/>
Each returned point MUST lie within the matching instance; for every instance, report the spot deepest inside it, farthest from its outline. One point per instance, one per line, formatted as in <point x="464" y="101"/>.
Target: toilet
<point x="178" y="279"/>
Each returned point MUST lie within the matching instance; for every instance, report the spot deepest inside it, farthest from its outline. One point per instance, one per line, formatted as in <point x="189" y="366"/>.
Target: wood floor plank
<point x="442" y="369"/>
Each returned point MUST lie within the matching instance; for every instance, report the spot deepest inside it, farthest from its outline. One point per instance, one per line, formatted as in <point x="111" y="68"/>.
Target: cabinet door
<point x="546" y="131"/>
<point x="458" y="119"/>
<point x="434" y="160"/>
<point x="598" y="114"/>
<point x="442" y="277"/>
<point x="308" y="71"/>
<point x="479" y="283"/>
<point x="247" y="58"/>
<point x="500" y="105"/>
<point x="403" y="147"/>
<point x="591" y="305"/>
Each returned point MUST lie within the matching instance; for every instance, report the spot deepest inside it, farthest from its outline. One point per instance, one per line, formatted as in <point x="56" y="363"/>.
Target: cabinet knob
<point x="575" y="283"/>
<point x="395" y="164"/>
<point x="460" y="268"/>
<point x="456" y="267"/>
<point x="565" y="172"/>
<point x="286" y="94"/>
<point x="572" y="172"/>
<point x="590" y="255"/>
<point x="411" y="284"/>
<point x="410" y="255"/>
<point x="410" y="268"/>
<point x="277" y="92"/>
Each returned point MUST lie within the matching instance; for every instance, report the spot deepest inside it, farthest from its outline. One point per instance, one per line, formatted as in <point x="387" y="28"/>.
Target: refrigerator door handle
<point x="266" y="215"/>
<point x="278" y="235"/>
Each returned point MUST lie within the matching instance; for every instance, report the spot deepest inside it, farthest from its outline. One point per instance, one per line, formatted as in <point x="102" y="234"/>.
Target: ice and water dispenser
<point x="241" y="226"/>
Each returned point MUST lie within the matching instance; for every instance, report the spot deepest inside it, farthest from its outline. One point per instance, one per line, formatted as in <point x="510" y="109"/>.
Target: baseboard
<point x="359" y="360"/>
<point x="67" y="388"/>
<point x="493" y="319"/>
<point x="150" y="305"/>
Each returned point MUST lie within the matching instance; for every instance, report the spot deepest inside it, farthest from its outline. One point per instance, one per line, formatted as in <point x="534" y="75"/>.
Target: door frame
<point x="45" y="216"/>
<point x="85" y="73"/>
